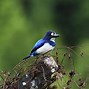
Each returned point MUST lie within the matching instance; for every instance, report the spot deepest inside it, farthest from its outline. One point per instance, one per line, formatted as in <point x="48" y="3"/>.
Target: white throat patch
<point x="52" y="39"/>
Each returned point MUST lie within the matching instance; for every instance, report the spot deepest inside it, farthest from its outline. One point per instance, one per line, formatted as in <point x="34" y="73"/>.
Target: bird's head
<point x="51" y="34"/>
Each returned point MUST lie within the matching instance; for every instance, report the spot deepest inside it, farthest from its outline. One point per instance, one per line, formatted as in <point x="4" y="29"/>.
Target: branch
<point x="40" y="76"/>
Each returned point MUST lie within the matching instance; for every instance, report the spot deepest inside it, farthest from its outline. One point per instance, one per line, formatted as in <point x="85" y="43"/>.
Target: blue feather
<point x="26" y="57"/>
<point x="40" y="46"/>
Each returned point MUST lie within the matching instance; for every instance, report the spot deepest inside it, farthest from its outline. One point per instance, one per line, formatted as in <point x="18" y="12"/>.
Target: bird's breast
<point x="45" y="48"/>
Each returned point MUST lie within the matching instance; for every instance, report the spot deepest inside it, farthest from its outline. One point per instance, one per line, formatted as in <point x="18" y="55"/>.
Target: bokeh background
<point x="23" y="22"/>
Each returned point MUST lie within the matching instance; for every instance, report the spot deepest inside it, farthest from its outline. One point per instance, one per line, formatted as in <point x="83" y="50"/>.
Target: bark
<point x="40" y="76"/>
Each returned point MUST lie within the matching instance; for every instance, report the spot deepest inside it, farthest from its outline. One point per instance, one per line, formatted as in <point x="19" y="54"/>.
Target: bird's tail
<point x="27" y="57"/>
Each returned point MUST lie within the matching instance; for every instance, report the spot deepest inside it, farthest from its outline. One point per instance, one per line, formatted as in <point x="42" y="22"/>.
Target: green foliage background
<point x="23" y="22"/>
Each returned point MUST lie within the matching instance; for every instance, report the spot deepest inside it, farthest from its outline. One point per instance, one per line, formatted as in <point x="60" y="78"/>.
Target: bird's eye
<point x="52" y="34"/>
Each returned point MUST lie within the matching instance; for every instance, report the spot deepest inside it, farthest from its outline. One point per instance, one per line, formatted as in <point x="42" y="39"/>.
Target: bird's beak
<point x="56" y="35"/>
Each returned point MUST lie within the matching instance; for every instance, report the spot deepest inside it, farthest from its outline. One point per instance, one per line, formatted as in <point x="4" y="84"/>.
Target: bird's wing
<point x="38" y="44"/>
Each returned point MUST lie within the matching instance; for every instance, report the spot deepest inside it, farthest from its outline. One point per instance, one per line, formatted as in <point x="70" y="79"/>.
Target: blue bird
<point x="44" y="45"/>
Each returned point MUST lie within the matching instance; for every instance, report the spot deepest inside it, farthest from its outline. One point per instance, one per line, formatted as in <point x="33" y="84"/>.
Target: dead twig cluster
<point x="43" y="74"/>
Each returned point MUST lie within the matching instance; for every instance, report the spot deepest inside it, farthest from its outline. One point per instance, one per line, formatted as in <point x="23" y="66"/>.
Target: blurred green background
<point x="23" y="22"/>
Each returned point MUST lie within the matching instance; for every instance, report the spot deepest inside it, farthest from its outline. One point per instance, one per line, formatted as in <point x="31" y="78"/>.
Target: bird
<point x="44" y="45"/>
